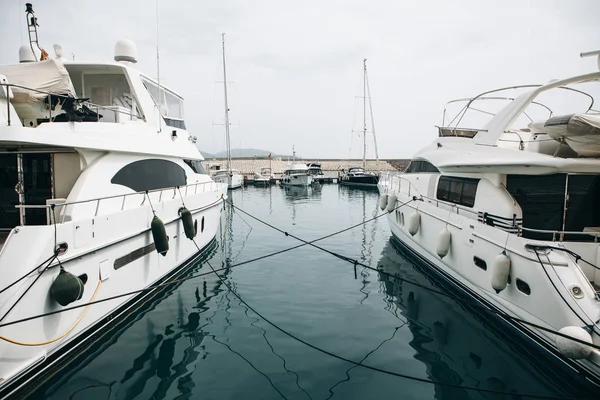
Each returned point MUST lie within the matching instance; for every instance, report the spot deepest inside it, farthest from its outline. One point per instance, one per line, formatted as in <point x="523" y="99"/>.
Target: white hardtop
<point x="526" y="136"/>
<point x="450" y="154"/>
<point x="297" y="168"/>
<point x="225" y="172"/>
<point x="125" y="98"/>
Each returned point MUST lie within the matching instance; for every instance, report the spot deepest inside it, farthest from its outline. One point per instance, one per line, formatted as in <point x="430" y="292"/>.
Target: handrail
<point x="86" y="103"/>
<point x="123" y="196"/>
<point x="560" y="234"/>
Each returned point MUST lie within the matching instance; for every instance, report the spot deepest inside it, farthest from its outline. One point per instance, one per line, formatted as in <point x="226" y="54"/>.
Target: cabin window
<point x="196" y="166"/>
<point x="416" y="166"/>
<point x="457" y="190"/>
<point x="150" y="174"/>
<point x="171" y="105"/>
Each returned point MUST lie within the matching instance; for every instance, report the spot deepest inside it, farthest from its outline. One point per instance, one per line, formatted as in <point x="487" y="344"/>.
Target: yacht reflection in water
<point x="460" y="343"/>
<point x="166" y="353"/>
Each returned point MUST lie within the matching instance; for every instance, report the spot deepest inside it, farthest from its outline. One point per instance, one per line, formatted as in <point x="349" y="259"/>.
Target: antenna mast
<point x="226" y="108"/>
<point x="159" y="105"/>
<point x="32" y="25"/>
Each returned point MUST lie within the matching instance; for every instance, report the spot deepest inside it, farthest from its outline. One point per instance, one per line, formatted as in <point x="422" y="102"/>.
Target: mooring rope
<point x="360" y="364"/>
<point x="342" y="257"/>
<point x="356" y="263"/>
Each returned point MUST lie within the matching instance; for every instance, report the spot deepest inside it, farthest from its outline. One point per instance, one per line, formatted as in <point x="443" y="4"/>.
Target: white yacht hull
<point x="471" y="238"/>
<point x="112" y="250"/>
<point x="296" y="180"/>
<point x="233" y="181"/>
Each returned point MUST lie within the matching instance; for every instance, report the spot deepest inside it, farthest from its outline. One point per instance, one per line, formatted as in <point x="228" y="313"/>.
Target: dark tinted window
<point x="421" y="166"/>
<point x="196" y="166"/>
<point x="542" y="199"/>
<point x="150" y="174"/>
<point x="175" y="123"/>
<point x="457" y="190"/>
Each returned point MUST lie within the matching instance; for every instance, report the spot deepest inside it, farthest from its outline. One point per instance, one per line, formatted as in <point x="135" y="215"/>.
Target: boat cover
<point x="48" y="76"/>
<point x="573" y="126"/>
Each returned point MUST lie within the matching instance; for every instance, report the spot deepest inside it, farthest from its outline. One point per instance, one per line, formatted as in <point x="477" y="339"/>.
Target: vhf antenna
<point x="32" y="25"/>
<point x="591" y="54"/>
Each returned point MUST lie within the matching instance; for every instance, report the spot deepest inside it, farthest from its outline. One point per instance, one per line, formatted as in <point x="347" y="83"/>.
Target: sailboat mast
<point x="365" y="113"/>
<point x="372" y="120"/>
<point x="226" y="109"/>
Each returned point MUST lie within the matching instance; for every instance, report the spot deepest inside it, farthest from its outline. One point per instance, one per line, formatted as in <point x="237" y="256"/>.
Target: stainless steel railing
<point x="88" y="104"/>
<point x="185" y="191"/>
<point x="396" y="181"/>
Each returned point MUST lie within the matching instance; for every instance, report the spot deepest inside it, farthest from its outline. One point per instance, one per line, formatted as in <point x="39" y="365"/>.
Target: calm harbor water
<point x="198" y="341"/>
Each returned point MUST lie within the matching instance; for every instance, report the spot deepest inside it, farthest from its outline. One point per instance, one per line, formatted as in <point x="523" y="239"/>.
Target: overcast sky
<point x="297" y="65"/>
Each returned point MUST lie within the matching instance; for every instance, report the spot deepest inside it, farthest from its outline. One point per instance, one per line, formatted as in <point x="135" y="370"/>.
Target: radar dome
<point x="126" y="50"/>
<point x="26" y="55"/>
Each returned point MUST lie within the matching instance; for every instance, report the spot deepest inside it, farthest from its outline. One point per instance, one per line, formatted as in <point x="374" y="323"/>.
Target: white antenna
<point x="228" y="141"/>
<point x="591" y="54"/>
<point x="158" y="73"/>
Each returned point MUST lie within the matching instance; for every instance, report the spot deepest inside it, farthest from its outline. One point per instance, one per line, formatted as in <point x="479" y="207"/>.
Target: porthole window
<point x="523" y="287"/>
<point x="202" y="225"/>
<point x="402" y="218"/>
<point x="480" y="263"/>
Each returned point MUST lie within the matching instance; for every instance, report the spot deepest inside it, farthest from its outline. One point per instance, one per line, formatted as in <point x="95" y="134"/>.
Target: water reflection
<point x="298" y="193"/>
<point x="133" y="378"/>
<point x="462" y="345"/>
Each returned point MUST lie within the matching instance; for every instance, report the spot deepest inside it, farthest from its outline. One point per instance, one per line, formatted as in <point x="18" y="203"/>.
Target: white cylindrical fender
<point x="383" y="201"/>
<point x="414" y="221"/>
<point x="391" y="203"/>
<point x="571" y="349"/>
<point x="500" y="272"/>
<point x="443" y="242"/>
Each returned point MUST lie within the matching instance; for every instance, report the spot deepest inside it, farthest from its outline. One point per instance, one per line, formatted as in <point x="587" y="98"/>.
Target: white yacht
<point x="232" y="177"/>
<point x="101" y="190"/>
<point x="296" y="175"/>
<point x="508" y="212"/>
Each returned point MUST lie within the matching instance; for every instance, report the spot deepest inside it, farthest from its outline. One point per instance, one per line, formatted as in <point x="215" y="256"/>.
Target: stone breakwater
<point x="249" y="166"/>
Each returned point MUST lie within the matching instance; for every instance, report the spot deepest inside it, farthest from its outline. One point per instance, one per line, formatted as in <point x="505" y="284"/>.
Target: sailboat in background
<point x="357" y="176"/>
<point x="232" y="177"/>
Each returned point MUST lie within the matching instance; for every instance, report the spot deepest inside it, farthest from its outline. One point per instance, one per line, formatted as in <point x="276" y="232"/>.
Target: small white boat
<point x="296" y="175"/>
<point x="232" y="177"/>
<point x="264" y="177"/>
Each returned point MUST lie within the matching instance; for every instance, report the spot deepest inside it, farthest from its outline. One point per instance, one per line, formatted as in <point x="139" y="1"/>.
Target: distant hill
<point x="244" y="153"/>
